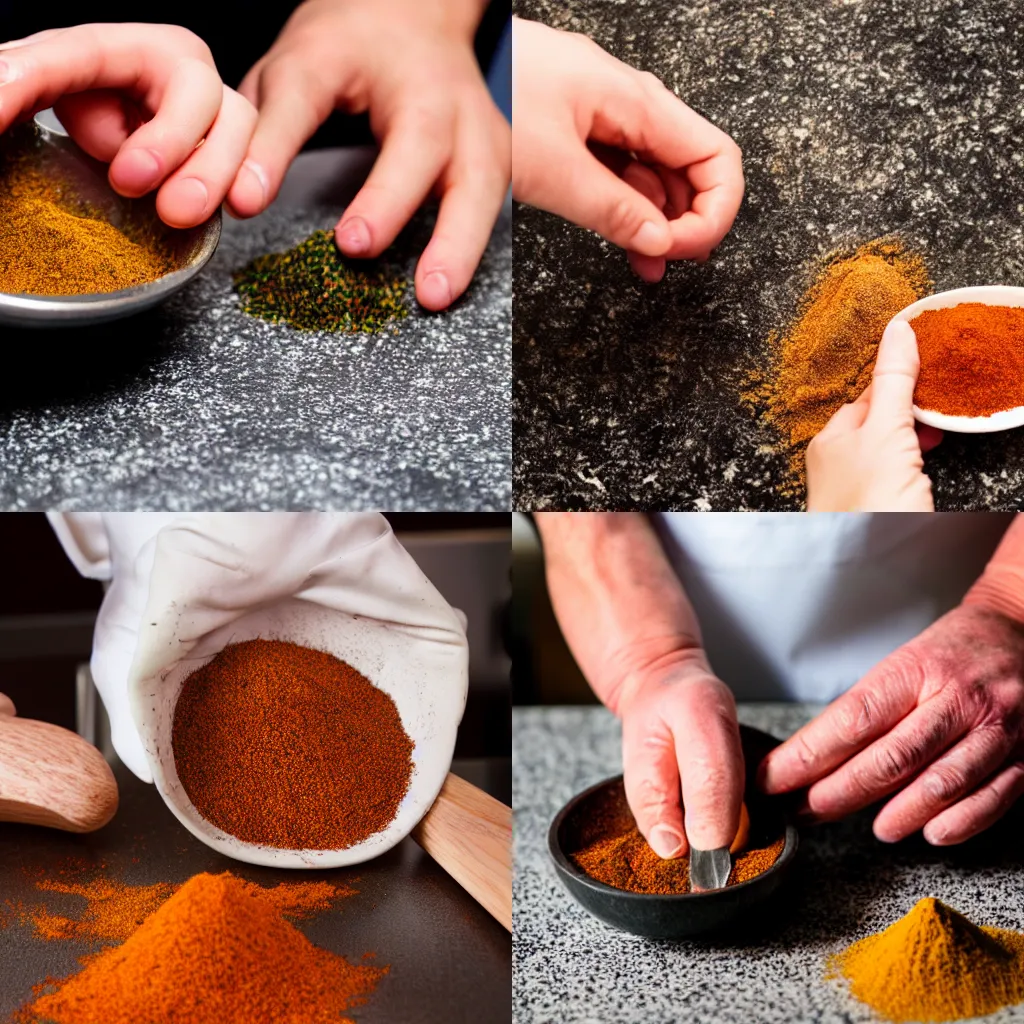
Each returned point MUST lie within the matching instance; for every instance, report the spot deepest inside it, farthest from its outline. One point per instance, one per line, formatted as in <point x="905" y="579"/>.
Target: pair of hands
<point x="938" y="727"/>
<point x="148" y="100"/>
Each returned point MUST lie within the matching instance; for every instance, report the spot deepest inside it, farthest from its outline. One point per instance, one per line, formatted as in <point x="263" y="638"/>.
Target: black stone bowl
<point x="675" y="917"/>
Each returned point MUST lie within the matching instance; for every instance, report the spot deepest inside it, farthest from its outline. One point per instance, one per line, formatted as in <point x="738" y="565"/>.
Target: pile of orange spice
<point x="825" y="357"/>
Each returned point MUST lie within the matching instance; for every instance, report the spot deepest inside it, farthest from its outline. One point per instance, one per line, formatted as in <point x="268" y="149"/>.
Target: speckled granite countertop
<point x="857" y="118"/>
<point x="572" y="969"/>
<point x="196" y="406"/>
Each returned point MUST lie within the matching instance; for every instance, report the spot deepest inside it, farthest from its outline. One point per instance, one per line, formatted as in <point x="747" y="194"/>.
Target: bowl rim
<point x="568" y="868"/>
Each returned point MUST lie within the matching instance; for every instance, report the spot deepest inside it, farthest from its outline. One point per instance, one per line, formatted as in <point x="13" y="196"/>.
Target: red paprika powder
<point x="972" y="359"/>
<point x="290" y="747"/>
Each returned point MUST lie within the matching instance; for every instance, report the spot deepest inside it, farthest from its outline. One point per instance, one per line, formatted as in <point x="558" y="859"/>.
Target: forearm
<point x="1001" y="586"/>
<point x="620" y="605"/>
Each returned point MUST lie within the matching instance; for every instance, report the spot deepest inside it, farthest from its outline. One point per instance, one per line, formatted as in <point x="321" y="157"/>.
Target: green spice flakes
<point x="313" y="287"/>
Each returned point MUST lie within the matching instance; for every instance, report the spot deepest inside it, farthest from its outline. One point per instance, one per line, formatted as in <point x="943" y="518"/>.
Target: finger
<point x="36" y="37"/>
<point x="648" y="184"/>
<point x="869" y="709"/>
<point x="187" y="109"/>
<point x="648" y="268"/>
<point x="250" y="85"/>
<point x="928" y="437"/>
<point x="846" y="419"/>
<point x="291" y="107"/>
<point x="192" y="194"/>
<point x="465" y="219"/>
<point x="679" y="193"/>
<point x="412" y="157"/>
<point x="710" y="757"/>
<point x="97" y="120"/>
<point x="890" y="761"/>
<point x="978" y="811"/>
<point x="895" y="374"/>
<point x="948" y="779"/>
<point x="651" y="778"/>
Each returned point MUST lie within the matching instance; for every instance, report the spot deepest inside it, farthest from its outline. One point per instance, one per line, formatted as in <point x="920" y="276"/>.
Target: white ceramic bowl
<point x="990" y="295"/>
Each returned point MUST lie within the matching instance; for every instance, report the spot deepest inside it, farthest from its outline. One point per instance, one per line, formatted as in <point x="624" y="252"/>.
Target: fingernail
<point x="665" y="841"/>
<point x="435" y="291"/>
<point x="353" y="236"/>
<point x="260" y="177"/>
<point x="191" y="198"/>
<point x="137" y="171"/>
<point x="935" y="836"/>
<point x="649" y="240"/>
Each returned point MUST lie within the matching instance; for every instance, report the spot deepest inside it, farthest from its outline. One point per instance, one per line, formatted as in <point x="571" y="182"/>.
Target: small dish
<point x="990" y="295"/>
<point x="686" y="914"/>
<point x="46" y="143"/>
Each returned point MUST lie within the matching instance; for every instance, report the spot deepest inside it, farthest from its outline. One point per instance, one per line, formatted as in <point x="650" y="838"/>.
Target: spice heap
<point x="825" y="358"/>
<point x="51" y="245"/>
<point x="972" y="359"/>
<point x="935" y="965"/>
<point x="214" y="953"/>
<point x="289" y="747"/>
<point x="313" y="287"/>
<point x="614" y="852"/>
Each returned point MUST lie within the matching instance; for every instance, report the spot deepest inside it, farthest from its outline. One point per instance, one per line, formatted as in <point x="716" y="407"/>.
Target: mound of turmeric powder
<point x="935" y="965"/>
<point x="825" y="357"/>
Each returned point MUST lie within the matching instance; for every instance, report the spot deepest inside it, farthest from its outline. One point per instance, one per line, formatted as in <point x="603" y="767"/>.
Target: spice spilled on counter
<point x="52" y="244"/>
<point x="972" y="359"/>
<point x="315" y="288"/>
<point x="214" y="953"/>
<point x="290" y="747"/>
<point x="825" y="357"/>
<point x="934" y="965"/>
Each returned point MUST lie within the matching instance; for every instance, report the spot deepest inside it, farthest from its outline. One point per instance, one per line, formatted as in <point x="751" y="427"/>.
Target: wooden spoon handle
<point x="50" y="776"/>
<point x="469" y="834"/>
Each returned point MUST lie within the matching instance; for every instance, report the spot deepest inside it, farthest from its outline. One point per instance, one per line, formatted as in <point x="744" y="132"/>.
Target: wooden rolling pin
<point x="469" y="834"/>
<point x="51" y="776"/>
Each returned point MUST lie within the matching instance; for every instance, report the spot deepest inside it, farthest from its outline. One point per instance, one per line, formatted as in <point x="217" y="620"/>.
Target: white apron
<point x="798" y="606"/>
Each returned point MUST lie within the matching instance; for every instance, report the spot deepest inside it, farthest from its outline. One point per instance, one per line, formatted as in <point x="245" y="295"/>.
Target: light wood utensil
<point x="469" y="834"/>
<point x="51" y="776"/>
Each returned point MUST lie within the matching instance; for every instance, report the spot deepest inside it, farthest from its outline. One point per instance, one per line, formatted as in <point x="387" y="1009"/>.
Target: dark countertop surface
<point x="845" y="884"/>
<point x="449" y="959"/>
<point x="857" y="118"/>
<point x="198" y="407"/>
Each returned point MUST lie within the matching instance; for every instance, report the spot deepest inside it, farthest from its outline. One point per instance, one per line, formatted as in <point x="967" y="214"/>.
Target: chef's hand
<point x="412" y="66"/>
<point x="869" y="457"/>
<point x="679" y="735"/>
<point x="939" y="723"/>
<point x="677" y="181"/>
<point x="141" y="98"/>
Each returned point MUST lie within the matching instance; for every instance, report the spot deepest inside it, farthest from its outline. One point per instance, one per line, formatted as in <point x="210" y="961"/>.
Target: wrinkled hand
<point x="940" y="723"/>
<point x="680" y="737"/>
<point x="869" y="457"/>
<point x="412" y="66"/>
<point x="141" y="98"/>
<point x="679" y="180"/>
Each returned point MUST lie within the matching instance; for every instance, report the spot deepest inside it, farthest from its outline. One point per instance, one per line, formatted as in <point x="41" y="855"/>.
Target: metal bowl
<point x="46" y="144"/>
<point x="686" y="914"/>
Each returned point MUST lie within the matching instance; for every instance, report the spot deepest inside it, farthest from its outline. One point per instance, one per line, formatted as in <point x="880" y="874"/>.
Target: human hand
<point x="680" y="737"/>
<point x="412" y="66"/>
<point x="869" y="456"/>
<point x="940" y="723"/>
<point x="141" y="98"/>
<point x="676" y="199"/>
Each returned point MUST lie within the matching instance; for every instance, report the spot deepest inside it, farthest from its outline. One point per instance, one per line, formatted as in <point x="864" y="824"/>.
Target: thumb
<point x="895" y="375"/>
<point x="592" y="196"/>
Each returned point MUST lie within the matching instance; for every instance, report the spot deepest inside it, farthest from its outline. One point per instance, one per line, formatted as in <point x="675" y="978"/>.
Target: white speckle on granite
<point x="570" y="968"/>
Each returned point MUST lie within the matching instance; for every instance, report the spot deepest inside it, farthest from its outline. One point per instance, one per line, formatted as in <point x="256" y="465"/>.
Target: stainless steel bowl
<point x="46" y="144"/>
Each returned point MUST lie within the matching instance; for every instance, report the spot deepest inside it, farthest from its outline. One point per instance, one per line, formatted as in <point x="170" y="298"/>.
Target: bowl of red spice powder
<point x="609" y="869"/>
<point x="971" y="343"/>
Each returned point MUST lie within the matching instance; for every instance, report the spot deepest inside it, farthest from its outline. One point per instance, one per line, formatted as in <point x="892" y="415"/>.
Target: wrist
<point x="630" y="686"/>
<point x="1001" y="590"/>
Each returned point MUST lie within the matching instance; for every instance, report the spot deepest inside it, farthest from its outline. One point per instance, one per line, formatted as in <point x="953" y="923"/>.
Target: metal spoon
<point x="47" y="145"/>
<point x="709" y="869"/>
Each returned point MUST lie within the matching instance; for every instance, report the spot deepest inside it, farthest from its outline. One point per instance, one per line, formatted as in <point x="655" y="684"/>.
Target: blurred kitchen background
<point x="48" y="611"/>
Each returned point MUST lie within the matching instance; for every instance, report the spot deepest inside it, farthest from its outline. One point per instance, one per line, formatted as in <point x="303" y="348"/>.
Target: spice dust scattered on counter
<point x="290" y="747"/>
<point x="972" y="359"/>
<point x="315" y="288"/>
<point x="935" y="965"/>
<point x="215" y="952"/>
<point x="52" y="245"/>
<point x="825" y="358"/>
